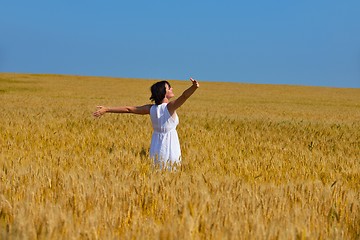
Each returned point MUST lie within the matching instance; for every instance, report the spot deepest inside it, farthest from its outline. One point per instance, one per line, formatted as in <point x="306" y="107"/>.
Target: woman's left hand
<point x="194" y="82"/>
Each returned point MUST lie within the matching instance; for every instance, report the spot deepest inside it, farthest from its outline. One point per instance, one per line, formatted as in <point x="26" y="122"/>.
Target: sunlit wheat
<point x="259" y="162"/>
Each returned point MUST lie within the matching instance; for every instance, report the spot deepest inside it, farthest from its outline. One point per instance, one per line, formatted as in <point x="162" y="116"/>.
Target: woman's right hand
<point x="101" y="110"/>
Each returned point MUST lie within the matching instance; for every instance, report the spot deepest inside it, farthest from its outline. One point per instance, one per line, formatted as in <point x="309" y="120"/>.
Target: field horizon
<point x="260" y="161"/>
<point x="172" y="79"/>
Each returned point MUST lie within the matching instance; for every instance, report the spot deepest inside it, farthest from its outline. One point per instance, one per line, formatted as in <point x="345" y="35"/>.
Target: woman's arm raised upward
<point x="173" y="105"/>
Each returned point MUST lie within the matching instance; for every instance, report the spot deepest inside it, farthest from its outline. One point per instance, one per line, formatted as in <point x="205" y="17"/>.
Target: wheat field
<point x="259" y="162"/>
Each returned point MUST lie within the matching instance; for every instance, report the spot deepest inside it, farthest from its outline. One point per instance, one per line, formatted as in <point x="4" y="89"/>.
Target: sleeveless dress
<point x="165" y="145"/>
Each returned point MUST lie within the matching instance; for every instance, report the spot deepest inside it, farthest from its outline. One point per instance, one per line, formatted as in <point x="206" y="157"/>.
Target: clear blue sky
<point x="307" y="42"/>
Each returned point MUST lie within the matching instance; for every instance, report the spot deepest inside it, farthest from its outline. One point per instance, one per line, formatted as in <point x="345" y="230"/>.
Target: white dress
<point x="165" y="146"/>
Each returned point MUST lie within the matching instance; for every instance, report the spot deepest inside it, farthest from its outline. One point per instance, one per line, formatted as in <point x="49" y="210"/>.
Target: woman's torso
<point x="161" y="119"/>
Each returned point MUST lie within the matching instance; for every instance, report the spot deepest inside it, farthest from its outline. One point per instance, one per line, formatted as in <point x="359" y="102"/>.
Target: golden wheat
<point x="259" y="162"/>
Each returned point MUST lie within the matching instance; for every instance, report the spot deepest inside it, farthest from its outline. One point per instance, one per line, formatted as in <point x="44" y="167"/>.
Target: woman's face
<point x="169" y="92"/>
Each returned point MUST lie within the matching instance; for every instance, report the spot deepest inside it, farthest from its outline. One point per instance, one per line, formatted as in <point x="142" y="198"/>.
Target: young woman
<point x="165" y="146"/>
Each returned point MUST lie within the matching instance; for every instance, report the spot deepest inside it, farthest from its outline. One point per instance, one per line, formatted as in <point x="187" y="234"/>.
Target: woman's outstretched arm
<point x="173" y="105"/>
<point x="101" y="110"/>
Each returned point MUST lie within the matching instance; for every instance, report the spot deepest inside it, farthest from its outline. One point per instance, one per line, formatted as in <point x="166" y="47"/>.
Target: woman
<point x="165" y="146"/>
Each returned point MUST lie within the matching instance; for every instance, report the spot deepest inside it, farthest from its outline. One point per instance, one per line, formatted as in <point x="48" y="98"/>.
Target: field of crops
<point x="259" y="162"/>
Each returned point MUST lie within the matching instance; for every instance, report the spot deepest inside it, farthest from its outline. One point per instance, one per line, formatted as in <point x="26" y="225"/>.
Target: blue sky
<point x="278" y="42"/>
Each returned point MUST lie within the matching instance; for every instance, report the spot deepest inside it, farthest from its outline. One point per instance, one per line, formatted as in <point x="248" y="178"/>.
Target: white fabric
<point x="165" y="146"/>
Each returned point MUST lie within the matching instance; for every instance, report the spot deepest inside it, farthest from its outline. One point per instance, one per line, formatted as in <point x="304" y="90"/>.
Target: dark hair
<point x="158" y="91"/>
